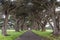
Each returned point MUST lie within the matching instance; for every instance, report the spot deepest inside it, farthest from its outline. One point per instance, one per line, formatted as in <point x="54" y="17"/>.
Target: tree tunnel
<point x="37" y="12"/>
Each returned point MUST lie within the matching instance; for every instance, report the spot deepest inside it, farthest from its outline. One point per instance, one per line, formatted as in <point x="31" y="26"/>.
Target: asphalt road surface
<point x="30" y="36"/>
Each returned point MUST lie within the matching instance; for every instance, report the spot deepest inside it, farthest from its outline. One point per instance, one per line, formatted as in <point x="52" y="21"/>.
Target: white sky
<point x="13" y="0"/>
<point x="58" y="0"/>
<point x="3" y="16"/>
<point x="57" y="9"/>
<point x="49" y="25"/>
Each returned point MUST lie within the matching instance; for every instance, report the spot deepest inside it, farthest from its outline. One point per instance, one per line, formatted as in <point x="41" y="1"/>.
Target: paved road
<point x="30" y="36"/>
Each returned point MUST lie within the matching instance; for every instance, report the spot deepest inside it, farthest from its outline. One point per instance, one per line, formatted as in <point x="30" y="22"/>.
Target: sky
<point x="58" y="0"/>
<point x="57" y="9"/>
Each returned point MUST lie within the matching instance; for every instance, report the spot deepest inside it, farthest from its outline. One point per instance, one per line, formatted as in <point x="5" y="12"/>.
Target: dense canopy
<point x="33" y="12"/>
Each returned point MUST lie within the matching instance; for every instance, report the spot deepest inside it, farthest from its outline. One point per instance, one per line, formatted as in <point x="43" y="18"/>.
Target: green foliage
<point x="12" y="35"/>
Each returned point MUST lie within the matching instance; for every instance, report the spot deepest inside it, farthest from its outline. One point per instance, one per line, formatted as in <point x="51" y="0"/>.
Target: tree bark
<point x="43" y="26"/>
<point x="55" y="29"/>
<point x="55" y="21"/>
<point x="22" y="27"/>
<point x="38" y="26"/>
<point x="22" y="24"/>
<point x="4" y="27"/>
<point x="17" y="25"/>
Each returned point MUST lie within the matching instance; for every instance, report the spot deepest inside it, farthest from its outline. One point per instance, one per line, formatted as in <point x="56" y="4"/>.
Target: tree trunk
<point x="50" y="24"/>
<point x="59" y="24"/>
<point x="22" y="24"/>
<point x="17" y="25"/>
<point x="55" y="21"/>
<point x="22" y="27"/>
<point x="4" y="27"/>
<point x="55" y="29"/>
<point x="43" y="26"/>
<point x="38" y="26"/>
<point x="56" y="24"/>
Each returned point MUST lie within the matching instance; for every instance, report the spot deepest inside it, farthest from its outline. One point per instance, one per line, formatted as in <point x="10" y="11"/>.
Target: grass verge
<point x="13" y="35"/>
<point x="46" y="34"/>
